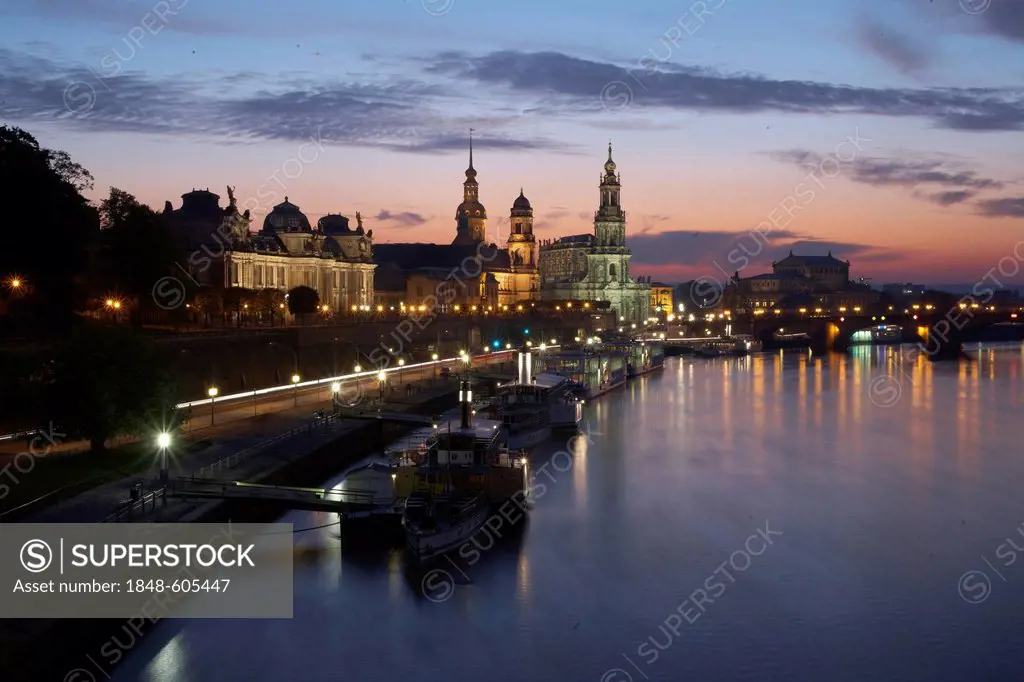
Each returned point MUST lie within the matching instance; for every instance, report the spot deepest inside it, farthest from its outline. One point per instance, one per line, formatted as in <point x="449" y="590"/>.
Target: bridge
<point x="350" y="503"/>
<point x="940" y="333"/>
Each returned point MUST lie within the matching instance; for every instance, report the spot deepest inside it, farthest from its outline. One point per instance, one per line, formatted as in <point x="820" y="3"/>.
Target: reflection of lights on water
<point x="169" y="663"/>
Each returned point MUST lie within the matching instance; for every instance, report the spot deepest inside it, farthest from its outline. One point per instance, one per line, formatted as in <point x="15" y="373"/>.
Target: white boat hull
<point x="427" y="544"/>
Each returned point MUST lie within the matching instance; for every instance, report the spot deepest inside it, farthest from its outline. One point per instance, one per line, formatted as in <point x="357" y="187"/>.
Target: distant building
<point x="332" y="258"/>
<point x="799" y="281"/>
<point x="595" y="267"/>
<point x="661" y="297"/>
<point x="904" y="290"/>
<point x="475" y="265"/>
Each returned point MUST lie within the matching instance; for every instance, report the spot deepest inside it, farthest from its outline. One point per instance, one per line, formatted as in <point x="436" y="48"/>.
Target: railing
<point x="234" y="459"/>
<point x="139" y="507"/>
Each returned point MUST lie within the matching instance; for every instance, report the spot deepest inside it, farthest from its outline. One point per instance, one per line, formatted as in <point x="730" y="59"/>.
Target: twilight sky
<point x="891" y="133"/>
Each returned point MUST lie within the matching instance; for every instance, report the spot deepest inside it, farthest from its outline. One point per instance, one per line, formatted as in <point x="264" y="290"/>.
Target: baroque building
<point x="332" y="258"/>
<point x="482" y="273"/>
<point x="810" y="281"/>
<point x="595" y="267"/>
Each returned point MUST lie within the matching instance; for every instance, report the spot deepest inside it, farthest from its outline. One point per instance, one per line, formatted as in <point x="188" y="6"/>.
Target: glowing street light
<point x="382" y="378"/>
<point x="163" y="441"/>
<point x="212" y="392"/>
<point x="434" y="358"/>
<point x="358" y="369"/>
<point x="295" y="383"/>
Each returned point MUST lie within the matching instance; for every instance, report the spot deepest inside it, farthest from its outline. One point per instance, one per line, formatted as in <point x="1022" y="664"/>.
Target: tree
<point x="269" y="303"/>
<point x="208" y="303"/>
<point x="53" y="226"/>
<point x="302" y="301"/>
<point x="238" y="299"/>
<point x="138" y="255"/>
<point x="108" y="381"/>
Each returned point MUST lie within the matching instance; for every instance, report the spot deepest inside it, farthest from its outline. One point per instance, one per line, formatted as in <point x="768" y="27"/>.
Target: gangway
<point x="347" y="502"/>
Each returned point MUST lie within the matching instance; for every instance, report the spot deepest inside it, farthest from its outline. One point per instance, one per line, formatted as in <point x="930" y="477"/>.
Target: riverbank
<point x="76" y="644"/>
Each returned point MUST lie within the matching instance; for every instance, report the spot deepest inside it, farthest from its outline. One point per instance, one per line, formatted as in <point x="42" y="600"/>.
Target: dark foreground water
<point x="778" y="517"/>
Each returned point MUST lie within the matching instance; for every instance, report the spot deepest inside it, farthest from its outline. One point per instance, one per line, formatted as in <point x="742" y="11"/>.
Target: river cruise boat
<point x="438" y="523"/>
<point x="532" y="407"/>
<point x="463" y="470"/>
<point x="729" y="346"/>
<point x="591" y="370"/>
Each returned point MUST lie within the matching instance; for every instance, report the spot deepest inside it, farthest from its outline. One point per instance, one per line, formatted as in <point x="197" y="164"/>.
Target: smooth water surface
<point x="862" y="506"/>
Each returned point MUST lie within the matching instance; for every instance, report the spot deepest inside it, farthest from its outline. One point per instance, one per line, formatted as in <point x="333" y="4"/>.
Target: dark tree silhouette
<point x="54" y="226"/>
<point x="237" y="300"/>
<point x="302" y="301"/>
<point x="138" y="249"/>
<point x="124" y="389"/>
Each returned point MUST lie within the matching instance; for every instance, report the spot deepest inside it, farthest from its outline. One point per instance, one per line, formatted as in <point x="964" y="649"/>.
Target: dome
<point x="333" y="224"/>
<point x="286" y="217"/>
<point x="470" y="209"/>
<point x="521" y="202"/>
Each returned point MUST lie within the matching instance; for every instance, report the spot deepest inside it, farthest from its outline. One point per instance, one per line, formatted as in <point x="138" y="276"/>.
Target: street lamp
<point x="434" y="358"/>
<point x="382" y="378"/>
<point x="212" y="392"/>
<point x="163" y="441"/>
<point x="358" y="369"/>
<point x="295" y="382"/>
<point x="401" y="363"/>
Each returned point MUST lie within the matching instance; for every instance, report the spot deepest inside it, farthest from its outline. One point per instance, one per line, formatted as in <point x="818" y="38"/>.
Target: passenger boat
<point x="729" y="345"/>
<point x="591" y="370"/>
<point x="532" y="407"/>
<point x="467" y="470"/>
<point x="437" y="523"/>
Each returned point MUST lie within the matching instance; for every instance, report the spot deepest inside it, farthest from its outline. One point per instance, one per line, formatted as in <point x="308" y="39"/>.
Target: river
<point x="775" y="517"/>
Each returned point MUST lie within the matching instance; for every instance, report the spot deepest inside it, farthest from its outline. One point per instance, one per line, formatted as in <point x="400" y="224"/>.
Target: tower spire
<point x="471" y="147"/>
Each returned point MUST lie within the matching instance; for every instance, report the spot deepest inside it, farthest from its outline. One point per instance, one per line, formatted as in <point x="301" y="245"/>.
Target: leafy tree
<point x="138" y="251"/>
<point x="55" y="226"/>
<point x="236" y="299"/>
<point x="109" y="381"/>
<point x="208" y="303"/>
<point x="269" y="302"/>
<point x="302" y="301"/>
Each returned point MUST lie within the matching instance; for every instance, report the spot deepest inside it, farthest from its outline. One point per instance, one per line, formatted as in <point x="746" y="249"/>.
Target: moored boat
<point x="532" y="407"/>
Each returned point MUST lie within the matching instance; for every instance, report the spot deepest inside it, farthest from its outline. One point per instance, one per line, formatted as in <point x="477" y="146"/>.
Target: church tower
<point x="610" y="219"/>
<point x="470" y="216"/>
<point x="522" y="246"/>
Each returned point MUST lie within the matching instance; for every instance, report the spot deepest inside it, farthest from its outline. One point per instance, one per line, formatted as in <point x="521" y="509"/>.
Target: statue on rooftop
<point x="359" y="219"/>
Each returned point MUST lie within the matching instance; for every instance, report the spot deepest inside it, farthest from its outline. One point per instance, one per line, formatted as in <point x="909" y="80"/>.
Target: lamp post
<point x="434" y="358"/>
<point x="382" y="377"/>
<point x="401" y="364"/>
<point x="212" y="392"/>
<point x="163" y="441"/>
<point x="295" y="383"/>
<point x="335" y="393"/>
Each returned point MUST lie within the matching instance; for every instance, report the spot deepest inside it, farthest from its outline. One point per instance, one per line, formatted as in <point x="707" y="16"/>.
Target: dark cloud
<point x="596" y="86"/>
<point x="396" y="115"/>
<point x="919" y="175"/>
<point x="952" y="197"/>
<point x="901" y="51"/>
<point x="1007" y="207"/>
<point x="1005" y="18"/>
<point x="722" y="253"/>
<point x="403" y="219"/>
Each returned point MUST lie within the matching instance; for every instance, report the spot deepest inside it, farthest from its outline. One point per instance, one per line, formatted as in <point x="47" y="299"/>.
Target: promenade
<point x="241" y="447"/>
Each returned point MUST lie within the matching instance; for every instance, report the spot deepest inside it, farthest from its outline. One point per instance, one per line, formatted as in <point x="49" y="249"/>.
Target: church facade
<point x="595" y="267"/>
<point x="488" y="276"/>
<point x="332" y="258"/>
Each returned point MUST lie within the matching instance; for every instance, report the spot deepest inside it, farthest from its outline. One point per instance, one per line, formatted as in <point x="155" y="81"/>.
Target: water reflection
<point x="888" y="476"/>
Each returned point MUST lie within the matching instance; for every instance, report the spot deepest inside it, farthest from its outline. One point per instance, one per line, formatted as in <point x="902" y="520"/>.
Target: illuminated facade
<point x="595" y="267"/>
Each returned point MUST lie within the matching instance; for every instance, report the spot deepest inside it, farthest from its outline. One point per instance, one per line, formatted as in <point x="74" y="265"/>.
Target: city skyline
<point x="159" y="99"/>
